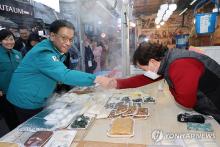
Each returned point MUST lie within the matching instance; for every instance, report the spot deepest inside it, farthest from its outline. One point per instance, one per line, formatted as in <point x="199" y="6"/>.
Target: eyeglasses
<point x="64" y="38"/>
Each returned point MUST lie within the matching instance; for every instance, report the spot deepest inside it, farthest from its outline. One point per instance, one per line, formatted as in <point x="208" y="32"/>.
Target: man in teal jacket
<point x="41" y="69"/>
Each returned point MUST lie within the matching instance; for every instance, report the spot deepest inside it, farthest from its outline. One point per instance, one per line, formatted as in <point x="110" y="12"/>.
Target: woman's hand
<point x="106" y="82"/>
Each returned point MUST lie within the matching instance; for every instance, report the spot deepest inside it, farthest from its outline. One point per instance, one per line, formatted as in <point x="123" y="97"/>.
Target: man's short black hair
<point x="23" y="28"/>
<point x="57" y="24"/>
<point x="147" y="51"/>
<point x="4" y="33"/>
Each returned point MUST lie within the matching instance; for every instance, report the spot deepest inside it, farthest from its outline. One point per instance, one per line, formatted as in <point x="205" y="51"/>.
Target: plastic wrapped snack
<point x="39" y="138"/>
<point x="142" y="113"/>
<point x="121" y="109"/>
<point x="130" y="112"/>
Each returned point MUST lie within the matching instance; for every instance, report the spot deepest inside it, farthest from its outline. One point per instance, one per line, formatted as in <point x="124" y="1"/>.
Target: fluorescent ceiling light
<point x="192" y="2"/>
<point x="172" y="7"/>
<point x="160" y="13"/>
<point x="165" y="18"/>
<point x="157" y="20"/>
<point x="162" y="23"/>
<point x="183" y="11"/>
<point x="164" y="7"/>
<point x="169" y="13"/>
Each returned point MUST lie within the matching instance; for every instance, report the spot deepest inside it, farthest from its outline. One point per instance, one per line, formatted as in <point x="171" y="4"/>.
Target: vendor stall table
<point x="160" y="128"/>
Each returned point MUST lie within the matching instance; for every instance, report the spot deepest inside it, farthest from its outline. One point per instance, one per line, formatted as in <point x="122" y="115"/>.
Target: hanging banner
<point x="11" y="8"/>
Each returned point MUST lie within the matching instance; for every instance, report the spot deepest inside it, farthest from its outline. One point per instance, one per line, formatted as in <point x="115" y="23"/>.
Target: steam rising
<point x="97" y="17"/>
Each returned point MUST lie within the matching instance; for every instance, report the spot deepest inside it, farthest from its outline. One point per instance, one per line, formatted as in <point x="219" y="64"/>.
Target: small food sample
<point x="118" y="104"/>
<point x="138" y="100"/>
<point x="136" y="95"/>
<point x="141" y="113"/>
<point x="126" y="99"/>
<point x="137" y="104"/>
<point x="122" y="126"/>
<point x="80" y="122"/>
<point x="121" y="109"/>
<point x="149" y="99"/>
<point x="113" y="114"/>
<point x="131" y="111"/>
<point x="110" y="106"/>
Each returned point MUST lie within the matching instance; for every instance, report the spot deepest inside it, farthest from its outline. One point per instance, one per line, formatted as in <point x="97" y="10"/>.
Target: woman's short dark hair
<point x="147" y="51"/>
<point x="57" y="24"/>
<point x="4" y="33"/>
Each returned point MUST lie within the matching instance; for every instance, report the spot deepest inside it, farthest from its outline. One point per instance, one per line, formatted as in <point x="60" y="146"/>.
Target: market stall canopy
<point x="6" y="22"/>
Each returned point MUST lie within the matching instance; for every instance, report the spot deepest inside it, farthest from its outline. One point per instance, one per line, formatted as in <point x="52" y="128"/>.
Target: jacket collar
<point x="58" y="53"/>
<point x="163" y="63"/>
<point x="4" y="50"/>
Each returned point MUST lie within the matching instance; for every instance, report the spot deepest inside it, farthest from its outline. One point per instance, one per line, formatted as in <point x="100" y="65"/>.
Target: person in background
<point x="9" y="60"/>
<point x="97" y="52"/>
<point x="33" y="39"/>
<point x="42" y="68"/>
<point x="193" y="78"/>
<point x="21" y="43"/>
<point x="90" y="63"/>
<point x="104" y="55"/>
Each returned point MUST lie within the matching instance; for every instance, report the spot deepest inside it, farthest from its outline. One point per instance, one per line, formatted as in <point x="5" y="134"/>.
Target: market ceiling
<point x="148" y="7"/>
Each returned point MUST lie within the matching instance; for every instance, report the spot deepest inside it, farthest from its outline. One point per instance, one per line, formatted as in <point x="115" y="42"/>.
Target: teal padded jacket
<point x="36" y="77"/>
<point x="9" y="60"/>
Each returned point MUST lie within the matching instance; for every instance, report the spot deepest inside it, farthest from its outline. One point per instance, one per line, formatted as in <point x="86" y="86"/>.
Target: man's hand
<point x="106" y="82"/>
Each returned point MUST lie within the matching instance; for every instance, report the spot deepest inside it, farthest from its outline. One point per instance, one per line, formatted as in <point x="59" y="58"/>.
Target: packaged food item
<point x="138" y="100"/>
<point x="38" y="139"/>
<point x="121" y="127"/>
<point x="138" y="104"/>
<point x="149" y="99"/>
<point x="142" y="113"/>
<point x="81" y="122"/>
<point x="136" y="95"/>
<point x="113" y="114"/>
<point x="130" y="112"/>
<point x="121" y="109"/>
<point x="118" y="104"/>
<point x="126" y="99"/>
<point x="61" y="138"/>
<point x="205" y="127"/>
